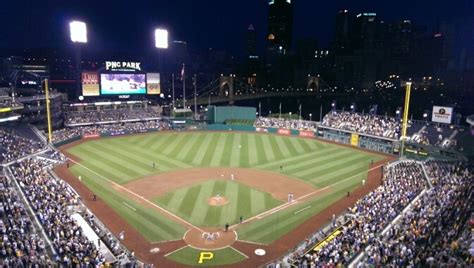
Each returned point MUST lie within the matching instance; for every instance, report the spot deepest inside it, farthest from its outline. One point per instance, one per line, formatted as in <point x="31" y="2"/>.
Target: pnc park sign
<point x="122" y="66"/>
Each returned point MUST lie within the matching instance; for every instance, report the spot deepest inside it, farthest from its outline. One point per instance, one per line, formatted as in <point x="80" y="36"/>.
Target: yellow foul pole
<point x="48" y="112"/>
<point x="405" y="116"/>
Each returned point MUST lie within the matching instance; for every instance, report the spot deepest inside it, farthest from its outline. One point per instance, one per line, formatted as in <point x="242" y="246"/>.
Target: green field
<point x="220" y="257"/>
<point x="190" y="203"/>
<point x="125" y="159"/>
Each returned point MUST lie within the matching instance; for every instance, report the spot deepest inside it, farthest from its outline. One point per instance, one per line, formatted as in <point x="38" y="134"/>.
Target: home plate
<point x="260" y="252"/>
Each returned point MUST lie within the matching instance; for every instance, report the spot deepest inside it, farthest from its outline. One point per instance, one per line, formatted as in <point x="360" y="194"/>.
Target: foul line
<point x="240" y="252"/>
<point x="130" y="207"/>
<point x="139" y="196"/>
<point x="289" y="204"/>
<point x="251" y="242"/>
<point x="176" y="250"/>
<point x="301" y="210"/>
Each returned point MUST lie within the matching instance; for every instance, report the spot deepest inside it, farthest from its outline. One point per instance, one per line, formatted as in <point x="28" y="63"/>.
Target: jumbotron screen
<point x="122" y="84"/>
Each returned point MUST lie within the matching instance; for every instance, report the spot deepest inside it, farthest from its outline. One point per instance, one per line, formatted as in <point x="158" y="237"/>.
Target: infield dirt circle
<point x="210" y="238"/>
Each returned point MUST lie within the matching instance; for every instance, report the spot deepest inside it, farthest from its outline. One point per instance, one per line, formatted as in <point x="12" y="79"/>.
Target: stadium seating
<point x="419" y="238"/>
<point x="270" y="122"/>
<point x="90" y="117"/>
<point x="388" y="127"/>
<point x="14" y="145"/>
<point x="20" y="245"/>
<point x="131" y="127"/>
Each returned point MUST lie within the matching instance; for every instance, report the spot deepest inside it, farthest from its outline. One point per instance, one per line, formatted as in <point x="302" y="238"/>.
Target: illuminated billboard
<point x="442" y="114"/>
<point x="153" y="83"/>
<point x="90" y="84"/>
<point x="122" y="84"/>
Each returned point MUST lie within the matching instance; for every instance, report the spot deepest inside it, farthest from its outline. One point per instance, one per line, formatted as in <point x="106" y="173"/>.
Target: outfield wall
<point x="220" y="114"/>
<point x="103" y="134"/>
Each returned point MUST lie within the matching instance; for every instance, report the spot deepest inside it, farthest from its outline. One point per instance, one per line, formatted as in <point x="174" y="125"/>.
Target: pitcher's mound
<point x="217" y="201"/>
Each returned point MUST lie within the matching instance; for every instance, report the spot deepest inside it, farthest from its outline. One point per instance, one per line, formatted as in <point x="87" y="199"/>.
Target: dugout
<point x="222" y="114"/>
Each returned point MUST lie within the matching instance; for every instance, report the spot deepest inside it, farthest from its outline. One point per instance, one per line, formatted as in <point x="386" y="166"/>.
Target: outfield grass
<point x="129" y="158"/>
<point x="190" y="203"/>
<point x="190" y="256"/>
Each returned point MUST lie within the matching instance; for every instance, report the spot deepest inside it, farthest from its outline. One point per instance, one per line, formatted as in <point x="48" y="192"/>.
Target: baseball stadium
<point x="182" y="158"/>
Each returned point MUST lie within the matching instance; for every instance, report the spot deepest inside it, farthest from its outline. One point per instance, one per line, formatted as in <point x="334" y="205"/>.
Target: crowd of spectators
<point x="434" y="231"/>
<point x="108" y="115"/>
<point x="71" y="132"/>
<point x="402" y="182"/>
<point x="20" y="245"/>
<point x="54" y="155"/>
<point x="382" y="126"/>
<point x="51" y="200"/>
<point x="13" y="146"/>
<point x="270" y="122"/>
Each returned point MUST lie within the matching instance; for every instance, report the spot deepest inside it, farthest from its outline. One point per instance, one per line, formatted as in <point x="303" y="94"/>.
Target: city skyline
<point x="117" y="26"/>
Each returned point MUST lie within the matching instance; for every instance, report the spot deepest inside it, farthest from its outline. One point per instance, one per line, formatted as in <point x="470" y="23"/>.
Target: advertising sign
<point x="283" y="131"/>
<point x="354" y="139"/>
<point x="306" y="133"/>
<point x="153" y="83"/>
<point x="90" y="84"/>
<point x="442" y="114"/>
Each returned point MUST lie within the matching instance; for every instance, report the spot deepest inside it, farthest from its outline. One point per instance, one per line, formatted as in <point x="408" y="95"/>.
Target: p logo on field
<point x="205" y="256"/>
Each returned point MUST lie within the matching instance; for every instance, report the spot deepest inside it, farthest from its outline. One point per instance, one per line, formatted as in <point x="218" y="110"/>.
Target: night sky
<point x="128" y="25"/>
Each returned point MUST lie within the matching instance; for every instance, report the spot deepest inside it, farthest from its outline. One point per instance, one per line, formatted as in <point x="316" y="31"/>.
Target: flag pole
<point x="279" y="117"/>
<point x="172" y="87"/>
<point x="321" y="113"/>
<point x="195" y="98"/>
<point x="300" y="111"/>
<point x="184" y="87"/>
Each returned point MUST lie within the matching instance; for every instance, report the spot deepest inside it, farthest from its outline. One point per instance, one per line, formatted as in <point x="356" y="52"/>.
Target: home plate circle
<point x="260" y="252"/>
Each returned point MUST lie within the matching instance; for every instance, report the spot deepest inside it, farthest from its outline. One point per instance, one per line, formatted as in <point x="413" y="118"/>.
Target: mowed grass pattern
<point x="128" y="158"/>
<point x="191" y="202"/>
<point x="125" y="159"/>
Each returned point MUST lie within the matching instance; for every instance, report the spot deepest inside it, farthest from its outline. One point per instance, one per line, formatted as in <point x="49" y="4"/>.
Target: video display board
<point x="122" y="83"/>
<point x="90" y="84"/>
<point x="153" y="83"/>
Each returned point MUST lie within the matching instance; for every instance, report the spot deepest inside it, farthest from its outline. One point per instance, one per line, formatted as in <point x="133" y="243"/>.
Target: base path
<point x="278" y="185"/>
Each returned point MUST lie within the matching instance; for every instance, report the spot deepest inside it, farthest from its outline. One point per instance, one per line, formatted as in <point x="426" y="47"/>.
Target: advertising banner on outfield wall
<point x="354" y="139"/>
<point x="442" y="114"/>
<point x="306" y="133"/>
<point x="259" y="129"/>
<point x="89" y="136"/>
<point x="283" y="131"/>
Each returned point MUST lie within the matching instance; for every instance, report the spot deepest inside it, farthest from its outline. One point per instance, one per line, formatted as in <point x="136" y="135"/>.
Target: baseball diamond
<point x="236" y="134"/>
<point x="160" y="185"/>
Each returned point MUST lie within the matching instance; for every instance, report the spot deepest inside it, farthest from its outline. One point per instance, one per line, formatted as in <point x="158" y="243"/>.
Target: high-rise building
<point x="251" y="56"/>
<point x="251" y="41"/>
<point x="280" y="23"/>
<point x="367" y="31"/>
<point x="343" y="30"/>
<point x="279" y="40"/>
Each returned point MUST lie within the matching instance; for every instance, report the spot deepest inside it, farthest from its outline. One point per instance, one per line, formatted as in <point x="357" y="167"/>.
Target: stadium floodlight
<point x="161" y="38"/>
<point x="78" y="30"/>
